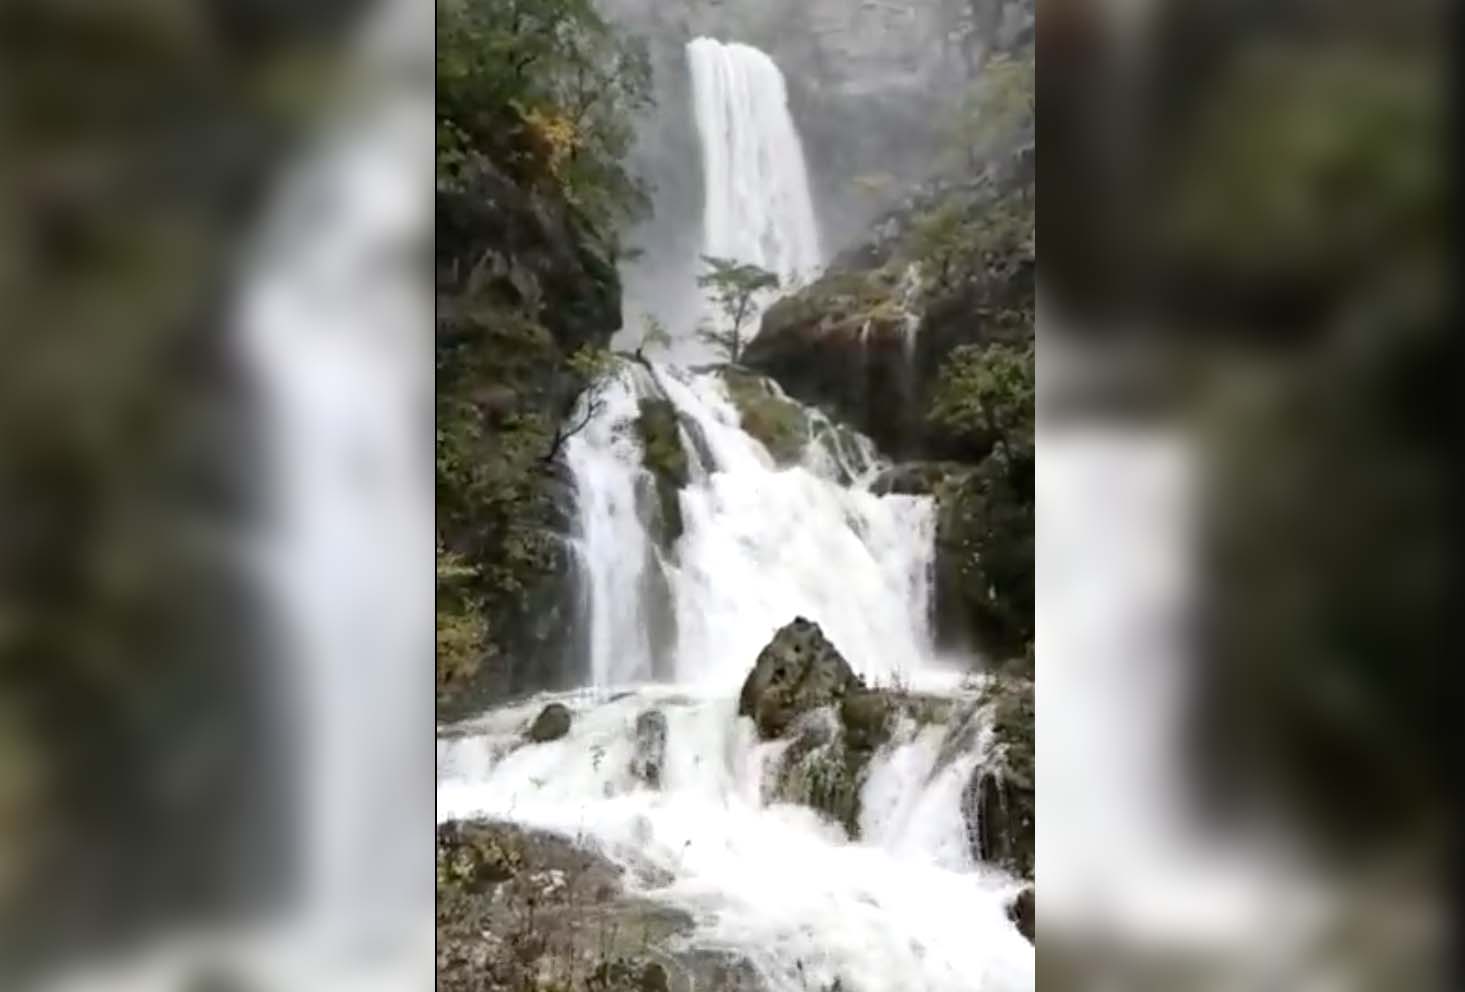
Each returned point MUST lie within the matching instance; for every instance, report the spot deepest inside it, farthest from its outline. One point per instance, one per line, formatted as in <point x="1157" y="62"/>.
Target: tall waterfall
<point x="757" y="204"/>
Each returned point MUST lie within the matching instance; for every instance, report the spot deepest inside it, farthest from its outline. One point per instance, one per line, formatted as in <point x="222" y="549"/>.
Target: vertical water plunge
<point x="757" y="209"/>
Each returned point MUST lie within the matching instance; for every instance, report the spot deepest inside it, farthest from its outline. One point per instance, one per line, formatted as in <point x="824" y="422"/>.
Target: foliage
<point x="592" y="367"/>
<point x="956" y="239"/>
<point x="777" y="422"/>
<point x="988" y="391"/>
<point x="546" y="90"/>
<point x="734" y="288"/>
<point x="999" y="108"/>
<point x="462" y="629"/>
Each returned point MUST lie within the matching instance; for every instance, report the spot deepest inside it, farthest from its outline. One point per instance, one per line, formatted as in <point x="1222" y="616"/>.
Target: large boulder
<point x="799" y="671"/>
<point x="552" y="723"/>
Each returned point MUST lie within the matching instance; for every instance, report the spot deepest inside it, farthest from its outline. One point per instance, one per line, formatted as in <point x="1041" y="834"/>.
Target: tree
<point x="546" y="90"/>
<point x="592" y="367"/>
<point x="988" y="390"/>
<point x="653" y="335"/>
<point x="734" y="289"/>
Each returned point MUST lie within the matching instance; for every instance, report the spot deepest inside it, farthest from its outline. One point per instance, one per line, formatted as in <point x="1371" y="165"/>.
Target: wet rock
<point x="552" y="723"/>
<point x="665" y="458"/>
<point x="866" y="717"/>
<point x="799" y="671"/>
<point x="646" y="764"/>
<point x="998" y="802"/>
<point x="780" y="424"/>
<point x="984" y="557"/>
<point x="560" y="912"/>
<point x="1023" y="912"/>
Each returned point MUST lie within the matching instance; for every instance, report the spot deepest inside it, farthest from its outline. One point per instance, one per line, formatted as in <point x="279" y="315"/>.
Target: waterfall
<point x="678" y="615"/>
<point x="757" y="206"/>
<point x="906" y="908"/>
<point x="760" y="545"/>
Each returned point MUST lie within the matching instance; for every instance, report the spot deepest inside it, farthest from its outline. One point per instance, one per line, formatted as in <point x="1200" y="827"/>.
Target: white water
<point x="904" y="909"/>
<point x="677" y="628"/>
<point x="757" y="204"/>
<point x="760" y="546"/>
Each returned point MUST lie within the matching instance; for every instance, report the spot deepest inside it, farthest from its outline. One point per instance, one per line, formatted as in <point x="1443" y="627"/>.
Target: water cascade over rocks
<point x="826" y="844"/>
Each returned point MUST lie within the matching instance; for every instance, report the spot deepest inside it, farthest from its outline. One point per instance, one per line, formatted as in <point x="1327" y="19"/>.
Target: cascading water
<point x="907" y="908"/>
<point x="678" y="617"/>
<point x="757" y="204"/>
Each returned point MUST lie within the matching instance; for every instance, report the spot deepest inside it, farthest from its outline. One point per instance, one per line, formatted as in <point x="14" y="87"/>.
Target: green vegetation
<point x="778" y="422"/>
<point x="988" y="391"/>
<point x="536" y="102"/>
<point x="998" y="109"/>
<point x="547" y="91"/>
<point x="734" y="288"/>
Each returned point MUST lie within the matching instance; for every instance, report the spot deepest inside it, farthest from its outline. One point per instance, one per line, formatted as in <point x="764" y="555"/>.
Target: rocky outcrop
<point x="798" y="672"/>
<point x="1024" y="913"/>
<point x="552" y="723"/>
<point x="517" y="909"/>
<point x="781" y="425"/>
<point x="522" y="283"/>
<point x="984" y="559"/>
<point x="802" y="690"/>
<point x="665" y="458"/>
<point x="998" y="802"/>
<point x="867" y="340"/>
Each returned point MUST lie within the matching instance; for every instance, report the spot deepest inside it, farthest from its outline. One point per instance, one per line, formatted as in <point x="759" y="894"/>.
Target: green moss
<point x="665" y="458"/>
<point x="778" y="423"/>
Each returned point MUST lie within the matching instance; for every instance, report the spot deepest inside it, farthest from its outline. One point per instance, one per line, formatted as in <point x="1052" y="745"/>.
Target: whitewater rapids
<point x="905" y="909"/>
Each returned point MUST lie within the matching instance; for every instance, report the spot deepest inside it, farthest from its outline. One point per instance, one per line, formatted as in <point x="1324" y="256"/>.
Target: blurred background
<point x="1241" y="495"/>
<point x="216" y="711"/>
<point x="214" y="497"/>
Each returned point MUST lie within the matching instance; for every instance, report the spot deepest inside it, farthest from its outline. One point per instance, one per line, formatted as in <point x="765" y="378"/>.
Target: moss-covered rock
<point x="798" y="672"/>
<point x="518" y="909"/>
<point x="868" y="339"/>
<point x="999" y="801"/>
<point x="665" y="458"/>
<point x="779" y="423"/>
<point x="552" y="723"/>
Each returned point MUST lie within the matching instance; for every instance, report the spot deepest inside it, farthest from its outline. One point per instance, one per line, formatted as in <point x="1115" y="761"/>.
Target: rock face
<point x="802" y="690"/>
<point x="521" y="910"/>
<point x="799" y="671"/>
<point x="998" y="802"/>
<point x="522" y="282"/>
<point x="867" y="340"/>
<point x="1024" y="913"/>
<point x="650" y="756"/>
<point x="552" y="723"/>
<point x="780" y="424"/>
<point x="666" y="459"/>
